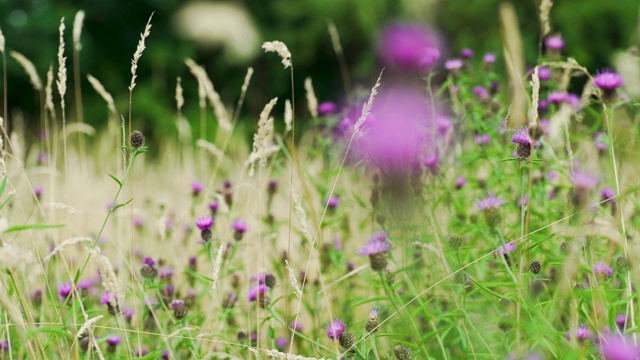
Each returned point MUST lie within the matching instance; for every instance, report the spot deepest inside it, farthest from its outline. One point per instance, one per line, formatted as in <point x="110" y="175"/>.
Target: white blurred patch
<point x="219" y="24"/>
<point x="628" y="66"/>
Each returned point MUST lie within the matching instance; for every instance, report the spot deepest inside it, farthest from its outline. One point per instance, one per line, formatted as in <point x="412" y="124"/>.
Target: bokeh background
<point x="225" y="36"/>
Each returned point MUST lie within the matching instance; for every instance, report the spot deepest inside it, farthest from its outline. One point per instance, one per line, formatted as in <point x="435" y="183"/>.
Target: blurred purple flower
<point x="481" y="92"/>
<point x="327" y="107"/>
<point x="554" y="42"/>
<point x="196" y="188"/>
<point x="461" y="181"/>
<point x="239" y="226"/>
<point x="483" y="139"/>
<point x="281" y="342"/>
<point x="204" y="223"/>
<point x="377" y="244"/>
<point x="584" y="181"/>
<point x="608" y="80"/>
<point x="294" y="325"/>
<point x="602" y="268"/>
<point x="408" y="47"/>
<point x="443" y="124"/>
<point x="582" y="333"/>
<point x="466" y="53"/>
<point x="256" y="291"/>
<point x="489" y="58"/>
<point x="453" y="64"/>
<point x="505" y="249"/>
<point x="490" y="202"/>
<point x="618" y="347"/>
<point x="332" y="202"/>
<point x="544" y="74"/>
<point x="398" y="132"/>
<point x="521" y="137"/>
<point x="335" y="329"/>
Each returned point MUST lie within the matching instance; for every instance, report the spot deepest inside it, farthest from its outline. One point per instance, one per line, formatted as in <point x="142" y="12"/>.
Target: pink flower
<point x="408" y="47"/>
<point x="335" y="329"/>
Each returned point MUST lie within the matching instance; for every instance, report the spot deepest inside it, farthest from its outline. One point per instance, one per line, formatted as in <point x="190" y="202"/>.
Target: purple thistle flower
<point x="482" y="139"/>
<point x="327" y="107"/>
<point x="608" y="193"/>
<point x="489" y="58"/>
<point x="114" y="340"/>
<point x="294" y="325"/>
<point x="337" y="243"/>
<point x="148" y="261"/>
<point x="602" y="268"/>
<point x="84" y="284"/>
<point x="128" y="313"/>
<point x="582" y="333"/>
<point x="557" y="97"/>
<point x="141" y="352"/>
<point x="138" y="222"/>
<point x="505" y="249"/>
<point x="608" y="80"/>
<point x="443" y="124"/>
<point x="165" y="272"/>
<point x="65" y="289"/>
<point x="177" y="303"/>
<point x="104" y="299"/>
<point x="466" y="53"/>
<point x="196" y="188"/>
<point x="213" y="206"/>
<point x="461" y="181"/>
<point x="259" y="279"/>
<point x="618" y="347"/>
<point x="239" y="226"/>
<point x="378" y="244"/>
<point x="600" y="139"/>
<point x="554" y="42"/>
<point x="521" y="137"/>
<point x="490" y="202"/>
<point x="335" y="329"/>
<point x="523" y="201"/>
<point x="204" y="223"/>
<point x="256" y="291"/>
<point x="37" y="191"/>
<point x="408" y="47"/>
<point x="621" y="320"/>
<point x="453" y="64"/>
<point x="431" y="161"/>
<point x="333" y="202"/>
<point x="281" y="342"/>
<point x="584" y="181"/>
<point x="544" y="73"/>
<point x="481" y="92"/>
<point x="165" y="354"/>
<point x="374" y="312"/>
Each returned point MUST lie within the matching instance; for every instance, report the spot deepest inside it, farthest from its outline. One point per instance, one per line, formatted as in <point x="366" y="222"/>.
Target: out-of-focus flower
<point x="408" y="47"/>
<point x="554" y="42"/>
<point x="335" y="329"/>
<point x="582" y="333"/>
<point x="618" y="347"/>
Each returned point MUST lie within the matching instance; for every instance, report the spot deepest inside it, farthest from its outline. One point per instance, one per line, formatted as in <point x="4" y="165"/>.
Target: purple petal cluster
<point x="505" y="249"/>
<point x="608" y="80"/>
<point x="377" y="244"/>
<point x="618" y="347"/>
<point x="335" y="329"/>
<point x="408" y="47"/>
<point x="521" y="137"/>
<point x="490" y="202"/>
<point x="204" y="223"/>
<point x="584" y="181"/>
<point x="489" y="58"/>
<point x="327" y="107"/>
<point x="239" y="226"/>
<point x="554" y="42"/>
<point x="582" y="333"/>
<point x="256" y="291"/>
<point x="453" y="64"/>
<point x="602" y="268"/>
<point x="148" y="261"/>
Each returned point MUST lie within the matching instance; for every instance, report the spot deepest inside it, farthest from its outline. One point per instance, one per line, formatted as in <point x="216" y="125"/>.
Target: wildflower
<point x="584" y="182"/>
<point x="535" y="267"/>
<point x="522" y="139"/>
<point x="65" y="290"/>
<point x="141" y="352"/>
<point x="105" y="299"/>
<point x="295" y="326"/>
<point x="205" y="224"/>
<point x="165" y="354"/>
<point x="196" y="188"/>
<point x="618" y="347"/>
<point x="582" y="333"/>
<point x="138" y="222"/>
<point x="554" y="42"/>
<point x="332" y="203"/>
<point x="165" y="272"/>
<point x="148" y="268"/>
<point x="376" y="250"/>
<point x="136" y="139"/>
<point x="609" y="195"/>
<point x="443" y="124"/>
<point x="179" y="309"/>
<point x="489" y="207"/>
<point x="481" y="92"/>
<point x="112" y="343"/>
<point x="281" y="343"/>
<point x="402" y="352"/>
<point x="523" y="201"/>
<point x="505" y="249"/>
<point x="602" y="268"/>
<point x="432" y="162"/>
<point x="621" y="321"/>
<point x="272" y="187"/>
<point x="408" y="47"/>
<point x="229" y="301"/>
<point x="260" y="293"/>
<point x="347" y="340"/>
<point x="327" y="107"/>
<point x="371" y="325"/>
<point x="239" y="228"/>
<point x="488" y="59"/>
<point x="608" y="81"/>
<point x="600" y="141"/>
<point x="482" y="139"/>
<point x="335" y="329"/>
<point x="544" y="73"/>
<point x="84" y="284"/>
<point x="466" y="53"/>
<point x="453" y="65"/>
<point x="37" y="191"/>
<point x="228" y="192"/>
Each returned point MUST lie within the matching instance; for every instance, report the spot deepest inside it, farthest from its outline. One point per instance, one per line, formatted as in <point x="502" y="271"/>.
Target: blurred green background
<point x="226" y="38"/>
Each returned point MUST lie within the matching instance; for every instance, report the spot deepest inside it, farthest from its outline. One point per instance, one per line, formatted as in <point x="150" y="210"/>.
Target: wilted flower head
<point x="608" y="80"/>
<point x="602" y="268"/>
<point x="582" y="333"/>
<point x="490" y="202"/>
<point x="398" y="131"/>
<point x="408" y="47"/>
<point x="335" y="329"/>
<point x="554" y="42"/>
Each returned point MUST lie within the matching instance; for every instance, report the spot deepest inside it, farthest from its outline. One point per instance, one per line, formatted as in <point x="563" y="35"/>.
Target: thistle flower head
<point x="584" y="181"/>
<point x="335" y="329"/>
<point x="327" y="107"/>
<point x="204" y="223"/>
<point x="582" y="333"/>
<point x="65" y="289"/>
<point x="196" y="188"/>
<point x="608" y="80"/>
<point x="602" y="268"/>
<point x="165" y="272"/>
<point x="148" y="261"/>
<point x="453" y="64"/>
<point x="466" y="53"/>
<point x="521" y="137"/>
<point x="554" y="42"/>
<point x="294" y="325"/>
<point x="114" y="340"/>
<point x="256" y="291"/>
<point x="333" y="202"/>
<point x="408" y="47"/>
<point x="618" y="347"/>
<point x="490" y="202"/>
<point x="505" y="249"/>
<point x="489" y="58"/>
<point x="239" y="226"/>
<point x="378" y="244"/>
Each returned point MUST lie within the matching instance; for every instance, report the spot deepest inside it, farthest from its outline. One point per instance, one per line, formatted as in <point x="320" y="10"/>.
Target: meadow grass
<point x="514" y="237"/>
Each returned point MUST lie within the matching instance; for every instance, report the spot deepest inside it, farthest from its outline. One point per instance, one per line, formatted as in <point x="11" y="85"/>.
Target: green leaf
<point x="116" y="179"/>
<point x="32" y="227"/>
<point x="3" y="185"/>
<point x="121" y="205"/>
